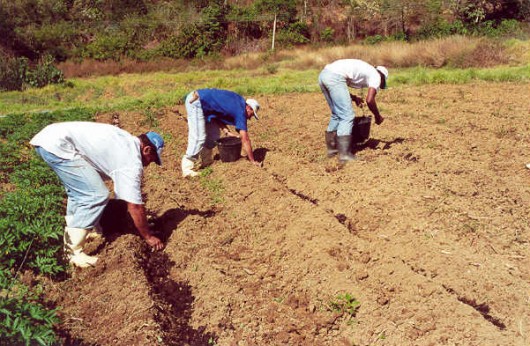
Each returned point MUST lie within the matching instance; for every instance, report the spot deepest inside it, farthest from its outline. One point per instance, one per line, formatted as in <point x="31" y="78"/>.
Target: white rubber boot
<point x="206" y="157"/>
<point x="187" y="168"/>
<point x="93" y="234"/>
<point x="74" y="239"/>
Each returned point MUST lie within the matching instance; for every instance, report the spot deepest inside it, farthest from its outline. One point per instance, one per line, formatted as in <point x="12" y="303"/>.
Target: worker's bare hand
<point x="257" y="163"/>
<point x="231" y="134"/>
<point x="379" y="120"/>
<point x="154" y="242"/>
<point x="358" y="101"/>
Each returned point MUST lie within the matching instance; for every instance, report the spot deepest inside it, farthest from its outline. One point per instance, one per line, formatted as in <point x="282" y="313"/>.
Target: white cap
<point x="255" y="107"/>
<point x="384" y="71"/>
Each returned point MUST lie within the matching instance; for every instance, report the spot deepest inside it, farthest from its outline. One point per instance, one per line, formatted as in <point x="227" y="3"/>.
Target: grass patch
<point x="214" y="186"/>
<point x="138" y="92"/>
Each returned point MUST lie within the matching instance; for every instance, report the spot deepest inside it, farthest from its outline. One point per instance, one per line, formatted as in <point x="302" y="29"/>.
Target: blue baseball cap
<point x="158" y="143"/>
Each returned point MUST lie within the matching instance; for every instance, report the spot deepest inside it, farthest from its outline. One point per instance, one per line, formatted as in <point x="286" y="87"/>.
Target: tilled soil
<point x="428" y="232"/>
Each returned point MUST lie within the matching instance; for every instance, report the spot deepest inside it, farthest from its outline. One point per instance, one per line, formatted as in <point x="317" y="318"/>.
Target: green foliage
<point x="295" y="34"/>
<point x="138" y="92"/>
<point x="56" y="38"/>
<point x="31" y="228"/>
<point x="44" y="73"/>
<point x="198" y="39"/>
<point x="140" y="29"/>
<point x="327" y="35"/>
<point x="12" y="73"/>
<point x="107" y="46"/>
<point x="489" y="28"/>
<point x="17" y="74"/>
<point x="285" y="10"/>
<point x="271" y="68"/>
<point x="214" y="186"/>
<point x="187" y="44"/>
<point x="442" y="28"/>
<point x="25" y="320"/>
<point x="504" y="28"/>
<point x="374" y="39"/>
<point x="345" y="304"/>
<point x="245" y="21"/>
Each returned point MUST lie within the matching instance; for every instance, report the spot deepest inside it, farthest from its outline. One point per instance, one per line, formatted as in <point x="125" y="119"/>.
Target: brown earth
<point x="429" y="232"/>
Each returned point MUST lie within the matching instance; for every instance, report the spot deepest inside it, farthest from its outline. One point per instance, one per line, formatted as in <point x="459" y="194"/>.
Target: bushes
<point x="12" y="73"/>
<point x="198" y="39"/>
<point x="294" y="34"/>
<point x="18" y="74"/>
<point x="25" y="320"/>
<point x="487" y="28"/>
<point x="31" y="228"/>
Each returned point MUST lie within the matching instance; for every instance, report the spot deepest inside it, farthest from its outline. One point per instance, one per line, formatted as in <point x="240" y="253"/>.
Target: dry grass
<point x="89" y="68"/>
<point x="455" y="51"/>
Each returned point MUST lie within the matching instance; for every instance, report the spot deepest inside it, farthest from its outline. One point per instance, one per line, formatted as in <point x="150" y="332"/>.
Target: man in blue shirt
<point x="210" y="110"/>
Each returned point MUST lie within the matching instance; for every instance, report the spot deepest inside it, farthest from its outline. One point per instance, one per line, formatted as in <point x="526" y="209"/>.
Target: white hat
<point x="255" y="107"/>
<point x="384" y="71"/>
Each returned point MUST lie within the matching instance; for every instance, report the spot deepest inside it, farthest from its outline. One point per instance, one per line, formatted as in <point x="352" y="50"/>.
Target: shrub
<point x="295" y="34"/>
<point x="441" y="28"/>
<point x="12" y="73"/>
<point x="504" y="28"/>
<point x="17" y="74"/>
<point x="198" y="39"/>
<point x="327" y="35"/>
<point x="109" y="46"/>
<point x="44" y="73"/>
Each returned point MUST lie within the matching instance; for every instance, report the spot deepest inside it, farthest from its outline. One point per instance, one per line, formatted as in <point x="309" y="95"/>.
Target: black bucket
<point x="361" y="129"/>
<point x="229" y="149"/>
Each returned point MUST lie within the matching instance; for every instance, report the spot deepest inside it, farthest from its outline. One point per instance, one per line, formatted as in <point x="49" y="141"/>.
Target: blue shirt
<point x="225" y="106"/>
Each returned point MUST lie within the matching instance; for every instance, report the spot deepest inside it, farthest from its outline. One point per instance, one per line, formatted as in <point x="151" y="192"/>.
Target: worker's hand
<point x="154" y="242"/>
<point x="379" y="119"/>
<point x="257" y="163"/>
<point x="358" y="101"/>
<point x="230" y="134"/>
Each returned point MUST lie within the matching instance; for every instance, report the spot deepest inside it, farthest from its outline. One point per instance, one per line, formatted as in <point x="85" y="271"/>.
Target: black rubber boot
<point x="344" y="145"/>
<point x="331" y="143"/>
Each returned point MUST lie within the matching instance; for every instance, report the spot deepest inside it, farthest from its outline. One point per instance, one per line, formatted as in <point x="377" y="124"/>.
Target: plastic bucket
<point x="229" y="149"/>
<point x="361" y="129"/>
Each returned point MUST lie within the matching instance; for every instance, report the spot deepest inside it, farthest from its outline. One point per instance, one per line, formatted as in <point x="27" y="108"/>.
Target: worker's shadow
<point x="173" y="299"/>
<point x="175" y="302"/>
<point x="375" y="143"/>
<point x="117" y="221"/>
<point x="260" y="153"/>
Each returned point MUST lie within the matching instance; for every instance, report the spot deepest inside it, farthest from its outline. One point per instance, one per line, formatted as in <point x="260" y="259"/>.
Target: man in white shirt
<point x="81" y="154"/>
<point x="334" y="81"/>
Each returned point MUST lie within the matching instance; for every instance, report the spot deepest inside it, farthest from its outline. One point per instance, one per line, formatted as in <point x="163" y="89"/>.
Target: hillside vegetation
<point x="148" y="29"/>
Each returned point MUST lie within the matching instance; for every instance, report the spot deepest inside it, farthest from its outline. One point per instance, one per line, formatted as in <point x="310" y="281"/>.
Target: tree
<point x="281" y="10"/>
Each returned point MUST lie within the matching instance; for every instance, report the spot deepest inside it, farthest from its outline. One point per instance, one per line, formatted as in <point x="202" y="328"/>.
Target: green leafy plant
<point x="327" y="35"/>
<point x="345" y="304"/>
<point x="25" y="320"/>
<point x="31" y="227"/>
<point x="151" y="119"/>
